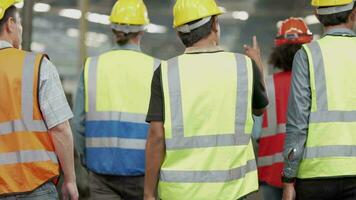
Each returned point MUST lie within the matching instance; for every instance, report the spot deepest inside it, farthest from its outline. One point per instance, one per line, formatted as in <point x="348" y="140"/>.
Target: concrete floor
<point x="255" y="196"/>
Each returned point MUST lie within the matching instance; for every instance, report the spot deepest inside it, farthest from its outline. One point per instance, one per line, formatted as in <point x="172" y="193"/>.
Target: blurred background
<point x="58" y="28"/>
<point x="71" y="30"/>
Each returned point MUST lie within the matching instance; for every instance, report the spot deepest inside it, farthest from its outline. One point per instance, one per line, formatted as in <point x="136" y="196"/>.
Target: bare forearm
<point x="63" y="142"/>
<point x="154" y="156"/>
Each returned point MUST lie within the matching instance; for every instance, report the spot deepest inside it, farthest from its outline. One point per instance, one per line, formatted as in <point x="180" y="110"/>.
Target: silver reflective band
<point x="26" y="123"/>
<point x="116" y="116"/>
<point x="114" y="142"/>
<point x="322" y="114"/>
<point x="186" y="28"/>
<point x="27" y="157"/>
<point x="270" y="160"/>
<point x="207" y="141"/>
<point x="330" y="151"/>
<point x="128" y="28"/>
<point x="20" y="126"/>
<point x="273" y="130"/>
<point x="333" y="116"/>
<point x="213" y="176"/>
<point x="335" y="9"/>
<point x="238" y="137"/>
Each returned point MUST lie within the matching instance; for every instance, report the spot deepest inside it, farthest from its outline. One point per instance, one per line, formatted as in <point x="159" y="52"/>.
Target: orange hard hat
<point x="293" y="31"/>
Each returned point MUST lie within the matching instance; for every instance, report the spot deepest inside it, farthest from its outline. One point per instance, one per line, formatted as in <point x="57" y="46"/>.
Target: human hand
<point x="288" y="191"/>
<point x="70" y="191"/>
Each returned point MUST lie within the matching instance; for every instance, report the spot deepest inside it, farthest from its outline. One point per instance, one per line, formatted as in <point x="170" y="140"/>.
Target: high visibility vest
<point x="117" y="95"/>
<point x="208" y="123"/>
<point x="271" y="143"/>
<point x="27" y="157"/>
<point x="331" y="143"/>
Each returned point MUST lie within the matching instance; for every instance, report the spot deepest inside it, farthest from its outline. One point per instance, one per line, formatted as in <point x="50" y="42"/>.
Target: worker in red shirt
<point x="291" y="35"/>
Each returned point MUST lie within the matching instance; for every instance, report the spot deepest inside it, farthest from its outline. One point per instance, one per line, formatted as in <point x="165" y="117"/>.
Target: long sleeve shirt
<point x="78" y="123"/>
<point x="299" y="106"/>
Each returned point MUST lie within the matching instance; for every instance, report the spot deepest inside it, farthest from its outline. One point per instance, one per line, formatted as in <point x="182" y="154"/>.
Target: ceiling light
<point x="155" y="28"/>
<point x="19" y="5"/>
<point x="71" y="13"/>
<point x="241" y="15"/>
<point x="41" y="7"/>
<point x="98" y="18"/>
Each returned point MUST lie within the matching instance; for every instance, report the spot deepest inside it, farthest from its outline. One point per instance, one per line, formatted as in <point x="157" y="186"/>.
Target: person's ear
<point x="10" y="25"/>
<point x="215" y="24"/>
<point x="352" y="16"/>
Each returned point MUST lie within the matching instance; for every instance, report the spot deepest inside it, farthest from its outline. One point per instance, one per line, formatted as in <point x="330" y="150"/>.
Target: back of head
<point x="194" y="19"/>
<point x="334" y="12"/>
<point x="128" y="19"/>
<point x="10" y="23"/>
<point x="291" y="35"/>
<point x="6" y="15"/>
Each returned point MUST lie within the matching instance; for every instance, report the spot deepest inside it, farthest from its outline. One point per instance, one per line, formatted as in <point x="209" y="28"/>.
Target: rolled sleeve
<point x="53" y="103"/>
<point x="299" y="105"/>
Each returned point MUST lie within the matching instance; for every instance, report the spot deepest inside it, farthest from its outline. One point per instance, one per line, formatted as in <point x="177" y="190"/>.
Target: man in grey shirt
<point x="338" y="22"/>
<point x="55" y="112"/>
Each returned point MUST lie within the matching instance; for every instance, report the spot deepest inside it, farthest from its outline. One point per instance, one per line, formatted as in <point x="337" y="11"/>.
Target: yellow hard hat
<point x="186" y="11"/>
<point x="5" y="4"/>
<point x="131" y="12"/>
<point x="323" y="3"/>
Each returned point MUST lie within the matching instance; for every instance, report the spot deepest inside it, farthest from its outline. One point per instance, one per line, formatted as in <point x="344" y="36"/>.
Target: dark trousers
<point x="326" y="189"/>
<point x="115" y="187"/>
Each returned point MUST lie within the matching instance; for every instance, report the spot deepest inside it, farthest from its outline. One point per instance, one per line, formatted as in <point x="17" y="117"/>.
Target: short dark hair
<point x="10" y="12"/>
<point x="189" y="39"/>
<point x="123" y="38"/>
<point x="335" y="19"/>
<point x="282" y="56"/>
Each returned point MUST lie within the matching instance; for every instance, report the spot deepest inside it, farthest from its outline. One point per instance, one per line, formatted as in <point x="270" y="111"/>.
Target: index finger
<point x="255" y="43"/>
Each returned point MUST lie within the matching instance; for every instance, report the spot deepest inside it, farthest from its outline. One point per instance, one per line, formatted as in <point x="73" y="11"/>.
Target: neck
<point x="204" y="43"/>
<point x="345" y="26"/>
<point x="7" y="39"/>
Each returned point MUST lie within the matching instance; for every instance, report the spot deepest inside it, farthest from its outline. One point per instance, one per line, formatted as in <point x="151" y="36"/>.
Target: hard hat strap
<point x="128" y="28"/>
<point x="335" y="9"/>
<point x="186" y="28"/>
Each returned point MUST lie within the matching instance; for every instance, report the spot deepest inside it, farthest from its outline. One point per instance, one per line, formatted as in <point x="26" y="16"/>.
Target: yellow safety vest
<point x="117" y="93"/>
<point x="208" y="123"/>
<point x="331" y="143"/>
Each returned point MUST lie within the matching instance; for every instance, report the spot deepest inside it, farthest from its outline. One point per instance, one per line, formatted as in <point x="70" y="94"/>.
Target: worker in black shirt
<point x="200" y="114"/>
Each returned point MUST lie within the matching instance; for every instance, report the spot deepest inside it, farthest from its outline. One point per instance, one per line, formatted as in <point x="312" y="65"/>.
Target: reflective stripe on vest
<point x="27" y="152"/>
<point x="203" y="159"/>
<point x="117" y="97"/>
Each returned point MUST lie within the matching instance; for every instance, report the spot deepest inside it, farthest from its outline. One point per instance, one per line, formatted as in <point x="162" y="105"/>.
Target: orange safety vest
<point x="27" y="157"/>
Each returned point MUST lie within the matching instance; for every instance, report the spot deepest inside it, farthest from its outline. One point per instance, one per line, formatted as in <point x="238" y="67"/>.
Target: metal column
<point x="27" y="17"/>
<point x="83" y="28"/>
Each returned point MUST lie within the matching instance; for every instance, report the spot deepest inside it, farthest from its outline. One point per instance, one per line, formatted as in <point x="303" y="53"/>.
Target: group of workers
<point x="204" y="108"/>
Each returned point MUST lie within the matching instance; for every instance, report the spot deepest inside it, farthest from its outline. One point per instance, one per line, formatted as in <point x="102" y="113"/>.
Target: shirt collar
<point x="5" y="44"/>
<point x="209" y="49"/>
<point x="340" y="31"/>
<point x="132" y="47"/>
